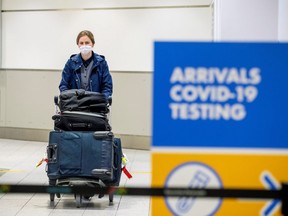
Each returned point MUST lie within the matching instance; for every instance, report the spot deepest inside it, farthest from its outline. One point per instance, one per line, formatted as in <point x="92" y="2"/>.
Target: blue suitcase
<point x="84" y="157"/>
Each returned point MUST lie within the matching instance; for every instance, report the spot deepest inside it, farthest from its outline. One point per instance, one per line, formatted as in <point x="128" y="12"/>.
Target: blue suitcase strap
<point x="117" y="162"/>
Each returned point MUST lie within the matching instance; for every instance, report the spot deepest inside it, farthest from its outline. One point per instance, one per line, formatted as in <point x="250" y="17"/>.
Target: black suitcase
<point x="81" y="100"/>
<point x="81" y="121"/>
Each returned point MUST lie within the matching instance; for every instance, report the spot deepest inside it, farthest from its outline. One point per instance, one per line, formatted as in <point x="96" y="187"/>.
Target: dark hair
<point x="85" y="33"/>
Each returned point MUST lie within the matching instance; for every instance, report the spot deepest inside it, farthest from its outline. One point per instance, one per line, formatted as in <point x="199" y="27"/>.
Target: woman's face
<point x="85" y="41"/>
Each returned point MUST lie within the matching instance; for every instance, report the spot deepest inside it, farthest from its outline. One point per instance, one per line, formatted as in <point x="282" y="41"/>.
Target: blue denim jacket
<point x="100" y="79"/>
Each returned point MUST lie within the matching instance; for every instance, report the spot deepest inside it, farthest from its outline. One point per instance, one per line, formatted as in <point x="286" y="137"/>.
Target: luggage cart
<point x="83" y="170"/>
<point x="79" y="182"/>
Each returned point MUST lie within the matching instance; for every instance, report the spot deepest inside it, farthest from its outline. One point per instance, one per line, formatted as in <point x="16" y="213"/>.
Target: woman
<point x="87" y="70"/>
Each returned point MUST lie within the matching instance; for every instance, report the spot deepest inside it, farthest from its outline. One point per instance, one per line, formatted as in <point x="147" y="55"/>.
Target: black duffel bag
<point x="81" y="121"/>
<point x="81" y="100"/>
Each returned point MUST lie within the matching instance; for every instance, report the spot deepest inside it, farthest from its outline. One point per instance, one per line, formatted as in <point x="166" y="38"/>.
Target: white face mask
<point x="85" y="49"/>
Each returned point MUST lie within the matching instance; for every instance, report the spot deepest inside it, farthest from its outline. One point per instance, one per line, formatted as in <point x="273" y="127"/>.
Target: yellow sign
<point x="263" y="171"/>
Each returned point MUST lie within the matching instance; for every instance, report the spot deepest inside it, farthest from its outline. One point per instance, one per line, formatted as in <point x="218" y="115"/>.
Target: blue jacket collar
<point x="96" y="59"/>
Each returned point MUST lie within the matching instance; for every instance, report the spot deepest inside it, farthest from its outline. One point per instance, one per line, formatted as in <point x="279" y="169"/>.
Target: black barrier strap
<point x="140" y="191"/>
<point x="281" y="194"/>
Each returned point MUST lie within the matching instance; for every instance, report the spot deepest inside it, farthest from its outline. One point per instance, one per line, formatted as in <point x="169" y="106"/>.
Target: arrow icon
<point x="270" y="183"/>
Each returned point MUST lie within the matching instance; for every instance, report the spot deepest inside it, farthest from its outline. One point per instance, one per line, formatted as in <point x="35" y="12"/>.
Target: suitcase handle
<point x="56" y="100"/>
<point x="52" y="153"/>
<point x="101" y="173"/>
<point x="103" y="135"/>
<point x="80" y="125"/>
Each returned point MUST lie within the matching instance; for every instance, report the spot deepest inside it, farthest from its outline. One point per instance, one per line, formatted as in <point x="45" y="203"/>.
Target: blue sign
<point x="220" y="95"/>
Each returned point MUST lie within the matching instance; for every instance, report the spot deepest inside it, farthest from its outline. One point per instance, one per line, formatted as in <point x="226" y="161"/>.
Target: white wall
<point x="283" y="20"/>
<point x="92" y="4"/>
<point x="28" y="98"/>
<point x="246" y="20"/>
<point x="39" y="36"/>
<point x="45" y="39"/>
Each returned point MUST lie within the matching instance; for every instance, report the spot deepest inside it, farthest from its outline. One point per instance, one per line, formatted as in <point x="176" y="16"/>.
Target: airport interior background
<point x="37" y="38"/>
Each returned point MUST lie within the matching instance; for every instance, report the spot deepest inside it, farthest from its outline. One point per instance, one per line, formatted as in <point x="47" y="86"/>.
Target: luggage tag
<point x="44" y="159"/>
<point x="124" y="169"/>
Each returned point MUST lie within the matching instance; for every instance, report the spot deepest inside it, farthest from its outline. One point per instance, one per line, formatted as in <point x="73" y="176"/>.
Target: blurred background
<point x="38" y="37"/>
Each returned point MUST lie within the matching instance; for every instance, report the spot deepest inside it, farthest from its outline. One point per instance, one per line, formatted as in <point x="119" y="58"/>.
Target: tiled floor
<point x="18" y="166"/>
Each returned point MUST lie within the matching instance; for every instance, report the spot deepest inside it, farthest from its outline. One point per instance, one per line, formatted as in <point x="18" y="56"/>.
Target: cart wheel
<point x="111" y="196"/>
<point x="52" y="196"/>
<point x="78" y="198"/>
<point x="52" y="182"/>
<point x="87" y="197"/>
<point x="58" y="195"/>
